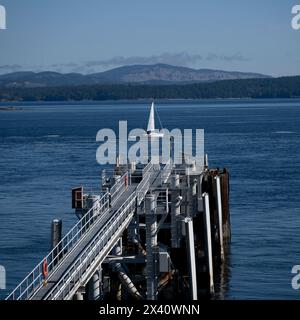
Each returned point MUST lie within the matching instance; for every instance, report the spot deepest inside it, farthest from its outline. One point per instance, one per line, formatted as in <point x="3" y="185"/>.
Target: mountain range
<point x="159" y="74"/>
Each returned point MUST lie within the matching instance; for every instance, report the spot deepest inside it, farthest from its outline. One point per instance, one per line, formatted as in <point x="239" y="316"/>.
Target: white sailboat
<point x="151" y="131"/>
<point x="151" y="121"/>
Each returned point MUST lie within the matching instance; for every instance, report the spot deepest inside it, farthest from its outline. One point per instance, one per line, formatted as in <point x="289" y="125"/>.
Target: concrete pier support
<point x="151" y="247"/>
<point x="191" y="257"/>
<point x="208" y="241"/>
<point x="94" y="286"/>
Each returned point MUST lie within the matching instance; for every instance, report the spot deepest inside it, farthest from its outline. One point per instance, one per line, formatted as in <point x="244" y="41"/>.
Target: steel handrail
<point x="35" y="277"/>
<point x="148" y="168"/>
<point x="77" y="269"/>
<point x="166" y="171"/>
<point x="143" y="187"/>
<point x="34" y="280"/>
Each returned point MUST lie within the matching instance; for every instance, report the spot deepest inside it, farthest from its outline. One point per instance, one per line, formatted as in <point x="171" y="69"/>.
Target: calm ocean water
<point x="46" y="149"/>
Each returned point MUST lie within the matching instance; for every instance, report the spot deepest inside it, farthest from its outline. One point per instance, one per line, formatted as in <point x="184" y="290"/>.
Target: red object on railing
<point x="45" y="269"/>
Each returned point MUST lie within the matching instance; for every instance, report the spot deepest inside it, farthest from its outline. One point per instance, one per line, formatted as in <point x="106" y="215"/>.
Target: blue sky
<point x="93" y="35"/>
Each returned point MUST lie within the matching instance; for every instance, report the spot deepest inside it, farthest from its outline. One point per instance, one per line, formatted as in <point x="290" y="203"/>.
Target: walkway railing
<point x="166" y="171"/>
<point x="142" y="189"/>
<point x="34" y="281"/>
<point x="147" y="169"/>
<point x="144" y="185"/>
<point x="35" y="278"/>
<point x="101" y="245"/>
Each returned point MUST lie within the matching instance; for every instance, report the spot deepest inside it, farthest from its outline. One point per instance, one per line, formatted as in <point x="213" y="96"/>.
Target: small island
<point x="10" y="108"/>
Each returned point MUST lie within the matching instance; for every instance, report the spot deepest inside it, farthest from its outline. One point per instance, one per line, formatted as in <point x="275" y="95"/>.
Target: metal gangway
<point x="74" y="260"/>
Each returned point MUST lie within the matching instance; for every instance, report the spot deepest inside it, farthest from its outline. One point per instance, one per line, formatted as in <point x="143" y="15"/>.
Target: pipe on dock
<point x="122" y="275"/>
<point x="151" y="243"/>
<point x="191" y="257"/>
<point x="208" y="241"/>
<point x="119" y="293"/>
<point x="126" y="281"/>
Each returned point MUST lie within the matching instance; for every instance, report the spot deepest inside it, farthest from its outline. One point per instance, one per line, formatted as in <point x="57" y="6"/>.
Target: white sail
<point x="151" y="122"/>
<point x="151" y="131"/>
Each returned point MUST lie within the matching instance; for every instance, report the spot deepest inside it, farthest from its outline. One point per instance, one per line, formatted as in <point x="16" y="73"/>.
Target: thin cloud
<point x="227" y="58"/>
<point x="10" y="68"/>
<point x="182" y="59"/>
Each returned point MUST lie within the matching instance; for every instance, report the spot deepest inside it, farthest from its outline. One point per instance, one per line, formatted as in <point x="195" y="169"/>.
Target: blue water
<point x="46" y="149"/>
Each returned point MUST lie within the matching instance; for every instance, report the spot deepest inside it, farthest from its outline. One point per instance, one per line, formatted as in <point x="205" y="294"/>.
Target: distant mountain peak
<point x="159" y="73"/>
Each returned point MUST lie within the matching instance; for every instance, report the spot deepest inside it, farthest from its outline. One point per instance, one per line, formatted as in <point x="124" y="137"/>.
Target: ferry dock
<point x="153" y="232"/>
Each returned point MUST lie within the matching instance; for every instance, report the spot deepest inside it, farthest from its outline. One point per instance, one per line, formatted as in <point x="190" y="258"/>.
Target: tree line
<point x="285" y="87"/>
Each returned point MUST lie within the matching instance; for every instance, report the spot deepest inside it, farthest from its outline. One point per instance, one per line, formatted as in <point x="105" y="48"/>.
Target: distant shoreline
<point x="9" y="108"/>
<point x="5" y="105"/>
<point x="274" y="88"/>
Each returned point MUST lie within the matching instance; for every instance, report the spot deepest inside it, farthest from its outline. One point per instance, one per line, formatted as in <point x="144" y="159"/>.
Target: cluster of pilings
<point x="199" y="233"/>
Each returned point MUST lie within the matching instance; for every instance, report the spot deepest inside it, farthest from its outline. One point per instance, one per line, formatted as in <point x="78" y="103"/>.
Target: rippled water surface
<point x="46" y="149"/>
